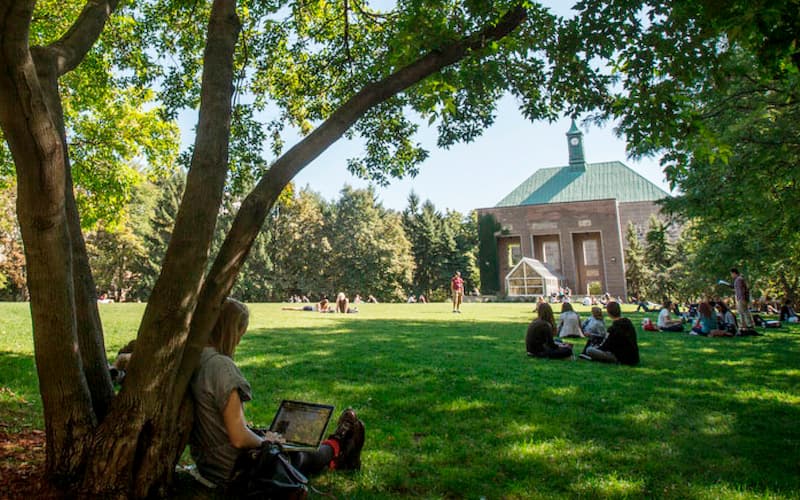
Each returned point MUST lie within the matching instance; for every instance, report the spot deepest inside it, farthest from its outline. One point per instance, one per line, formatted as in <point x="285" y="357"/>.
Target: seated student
<point x="726" y="320"/>
<point x="620" y="345"/>
<point x="220" y="432"/>
<point x="343" y="304"/>
<point x="787" y="313"/>
<point x="539" y="341"/>
<point x="569" y="323"/>
<point x="665" y="323"/>
<point x="706" y="324"/>
<point x="595" y="326"/>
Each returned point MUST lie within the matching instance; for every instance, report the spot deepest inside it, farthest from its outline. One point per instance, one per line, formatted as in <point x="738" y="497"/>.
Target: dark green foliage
<point x="637" y="274"/>
<point x="487" y="254"/>
<point x="162" y="221"/>
<point x="442" y="244"/>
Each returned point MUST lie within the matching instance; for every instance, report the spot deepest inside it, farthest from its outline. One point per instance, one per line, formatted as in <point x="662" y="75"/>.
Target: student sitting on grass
<point x="726" y="321"/>
<point x="620" y="345"/>
<point x="706" y="320"/>
<point x="787" y="313"/>
<point x="665" y="323"/>
<point x="220" y="433"/>
<point x="595" y="326"/>
<point x="569" y="324"/>
<point x="539" y="340"/>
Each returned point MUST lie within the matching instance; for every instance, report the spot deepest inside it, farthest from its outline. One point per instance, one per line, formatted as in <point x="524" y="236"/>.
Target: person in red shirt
<point x="457" y="289"/>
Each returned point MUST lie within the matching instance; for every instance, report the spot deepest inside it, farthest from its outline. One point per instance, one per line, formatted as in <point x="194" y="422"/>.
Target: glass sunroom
<point x="530" y="278"/>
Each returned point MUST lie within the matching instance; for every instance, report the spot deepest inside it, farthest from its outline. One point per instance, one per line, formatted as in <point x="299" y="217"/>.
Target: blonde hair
<point x="230" y="327"/>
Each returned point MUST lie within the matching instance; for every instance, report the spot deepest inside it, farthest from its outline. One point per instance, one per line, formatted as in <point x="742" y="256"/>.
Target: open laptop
<point x="301" y="424"/>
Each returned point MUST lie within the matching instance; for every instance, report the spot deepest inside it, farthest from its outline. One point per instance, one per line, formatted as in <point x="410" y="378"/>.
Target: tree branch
<point x="83" y="34"/>
<point x="256" y="205"/>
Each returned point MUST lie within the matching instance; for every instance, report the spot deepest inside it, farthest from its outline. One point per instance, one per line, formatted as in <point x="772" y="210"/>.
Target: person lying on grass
<point x="220" y="432"/>
<point x="620" y="345"/>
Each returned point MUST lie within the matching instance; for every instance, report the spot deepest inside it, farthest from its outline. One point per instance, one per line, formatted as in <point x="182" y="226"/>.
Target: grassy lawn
<point x="454" y="408"/>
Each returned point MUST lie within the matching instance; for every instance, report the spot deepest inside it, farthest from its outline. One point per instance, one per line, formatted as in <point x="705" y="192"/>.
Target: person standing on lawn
<point x="457" y="289"/>
<point x="742" y="293"/>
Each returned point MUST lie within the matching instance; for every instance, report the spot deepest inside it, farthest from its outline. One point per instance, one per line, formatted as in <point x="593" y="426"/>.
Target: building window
<point x="552" y="254"/>
<point x="514" y="254"/>
<point x="591" y="253"/>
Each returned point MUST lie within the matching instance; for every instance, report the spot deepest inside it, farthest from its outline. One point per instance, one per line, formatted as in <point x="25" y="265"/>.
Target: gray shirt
<point x="211" y="386"/>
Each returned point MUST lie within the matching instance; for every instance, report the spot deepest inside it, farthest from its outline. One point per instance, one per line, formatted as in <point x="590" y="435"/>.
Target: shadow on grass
<point x="454" y="409"/>
<point x="459" y="410"/>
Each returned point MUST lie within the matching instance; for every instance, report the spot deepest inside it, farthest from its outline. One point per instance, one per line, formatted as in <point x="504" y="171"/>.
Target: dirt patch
<point x="22" y="466"/>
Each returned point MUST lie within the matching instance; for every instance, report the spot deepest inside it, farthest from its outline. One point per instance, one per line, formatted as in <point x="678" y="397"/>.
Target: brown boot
<point x="350" y="435"/>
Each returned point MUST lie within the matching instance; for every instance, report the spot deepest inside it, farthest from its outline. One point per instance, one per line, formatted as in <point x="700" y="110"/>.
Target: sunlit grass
<point x="454" y="408"/>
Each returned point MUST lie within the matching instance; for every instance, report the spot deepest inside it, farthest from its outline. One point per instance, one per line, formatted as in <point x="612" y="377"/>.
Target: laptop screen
<point x="300" y="423"/>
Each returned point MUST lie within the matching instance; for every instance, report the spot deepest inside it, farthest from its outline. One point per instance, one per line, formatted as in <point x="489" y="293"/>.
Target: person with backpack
<point x="220" y="435"/>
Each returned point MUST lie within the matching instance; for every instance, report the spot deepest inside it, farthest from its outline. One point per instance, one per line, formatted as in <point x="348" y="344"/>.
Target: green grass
<point x="454" y="408"/>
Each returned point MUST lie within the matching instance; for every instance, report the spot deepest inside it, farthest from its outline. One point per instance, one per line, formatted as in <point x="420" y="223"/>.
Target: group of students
<point x="615" y="344"/>
<point x="712" y="320"/>
<point x="342" y="305"/>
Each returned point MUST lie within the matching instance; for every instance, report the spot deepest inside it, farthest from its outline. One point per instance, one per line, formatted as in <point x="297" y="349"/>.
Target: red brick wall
<point x="564" y="220"/>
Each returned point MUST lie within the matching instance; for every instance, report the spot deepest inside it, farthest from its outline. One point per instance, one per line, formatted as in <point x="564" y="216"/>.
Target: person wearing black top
<point x="539" y="340"/>
<point x="620" y="345"/>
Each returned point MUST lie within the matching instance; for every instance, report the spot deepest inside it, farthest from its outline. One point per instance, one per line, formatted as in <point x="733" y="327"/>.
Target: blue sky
<point x="481" y="173"/>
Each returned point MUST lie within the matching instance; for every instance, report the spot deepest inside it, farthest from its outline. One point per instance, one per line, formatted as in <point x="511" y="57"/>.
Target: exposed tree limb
<point x="82" y="35"/>
<point x="256" y="205"/>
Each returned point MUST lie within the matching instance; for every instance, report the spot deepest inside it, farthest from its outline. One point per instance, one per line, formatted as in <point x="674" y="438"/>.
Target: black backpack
<point x="267" y="472"/>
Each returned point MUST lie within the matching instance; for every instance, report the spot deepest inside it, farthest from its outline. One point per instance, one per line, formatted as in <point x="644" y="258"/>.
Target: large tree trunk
<point x="38" y="152"/>
<point x="135" y="447"/>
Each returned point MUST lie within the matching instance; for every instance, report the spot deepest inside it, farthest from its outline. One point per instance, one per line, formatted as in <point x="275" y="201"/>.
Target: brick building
<point x="572" y="219"/>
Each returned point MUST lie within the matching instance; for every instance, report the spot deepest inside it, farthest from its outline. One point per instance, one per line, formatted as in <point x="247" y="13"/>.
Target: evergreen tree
<point x="299" y="247"/>
<point x="159" y="230"/>
<point x="637" y="274"/>
<point x="659" y="258"/>
<point x="370" y="252"/>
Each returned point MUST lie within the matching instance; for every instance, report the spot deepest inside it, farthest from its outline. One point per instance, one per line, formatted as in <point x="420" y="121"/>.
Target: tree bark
<point x="135" y="447"/>
<point x="38" y="152"/>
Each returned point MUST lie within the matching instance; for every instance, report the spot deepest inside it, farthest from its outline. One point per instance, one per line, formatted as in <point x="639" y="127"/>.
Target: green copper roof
<point x="600" y="181"/>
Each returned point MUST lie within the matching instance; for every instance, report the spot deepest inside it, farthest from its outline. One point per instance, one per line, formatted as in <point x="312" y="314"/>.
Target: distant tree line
<point x="313" y="247"/>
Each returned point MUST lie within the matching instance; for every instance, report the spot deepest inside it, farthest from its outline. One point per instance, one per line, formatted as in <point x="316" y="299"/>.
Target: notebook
<point x="301" y="424"/>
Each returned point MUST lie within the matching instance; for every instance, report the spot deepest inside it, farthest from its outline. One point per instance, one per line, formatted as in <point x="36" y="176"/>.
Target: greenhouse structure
<point x="530" y="278"/>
